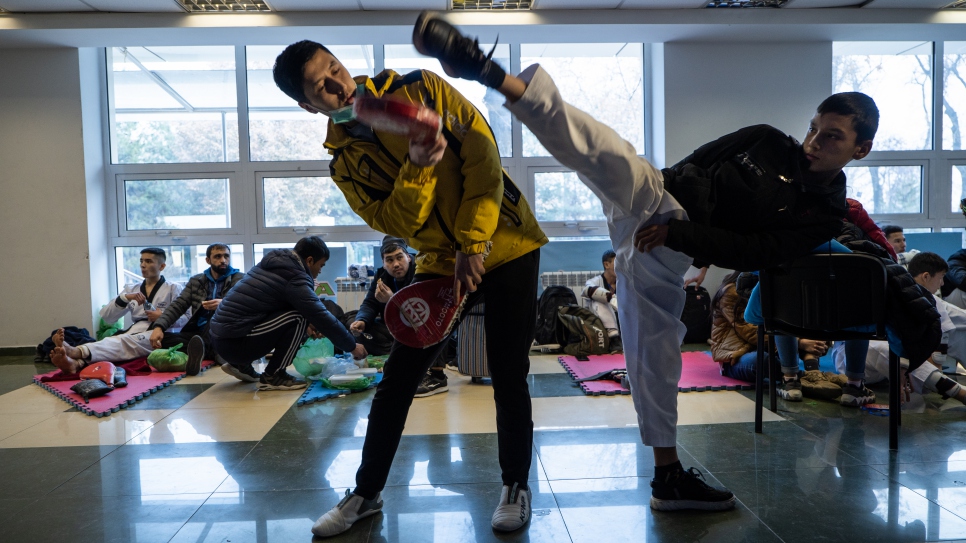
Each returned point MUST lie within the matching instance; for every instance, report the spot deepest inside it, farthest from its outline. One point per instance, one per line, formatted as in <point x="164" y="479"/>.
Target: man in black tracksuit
<point x="273" y="307"/>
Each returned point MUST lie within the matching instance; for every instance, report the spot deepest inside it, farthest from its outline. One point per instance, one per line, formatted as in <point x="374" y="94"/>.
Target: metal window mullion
<point x="243" y="191"/>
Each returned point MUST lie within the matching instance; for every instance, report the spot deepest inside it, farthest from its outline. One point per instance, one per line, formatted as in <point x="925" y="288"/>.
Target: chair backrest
<point x="825" y="295"/>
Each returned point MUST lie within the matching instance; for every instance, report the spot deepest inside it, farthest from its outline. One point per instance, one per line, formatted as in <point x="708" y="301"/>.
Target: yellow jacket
<point x="459" y="204"/>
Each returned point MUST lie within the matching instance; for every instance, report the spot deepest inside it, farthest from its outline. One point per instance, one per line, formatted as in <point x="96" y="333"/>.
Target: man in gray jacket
<point x="273" y="307"/>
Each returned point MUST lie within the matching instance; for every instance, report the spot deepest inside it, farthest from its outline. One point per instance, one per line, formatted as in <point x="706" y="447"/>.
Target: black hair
<point x="927" y="263"/>
<point x="890" y="229"/>
<point x="289" y="69"/>
<point x="214" y="246"/>
<point x="156" y="251"/>
<point x="861" y="107"/>
<point x="312" y="246"/>
<point x="608" y="254"/>
<point x="391" y="244"/>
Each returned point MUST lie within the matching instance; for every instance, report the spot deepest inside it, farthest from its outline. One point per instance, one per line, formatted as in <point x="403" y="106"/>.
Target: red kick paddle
<point x="389" y="114"/>
<point x="424" y="313"/>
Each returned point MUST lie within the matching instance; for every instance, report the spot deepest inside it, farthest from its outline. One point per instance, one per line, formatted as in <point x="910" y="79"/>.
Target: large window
<point x="886" y="189"/>
<point x="604" y="79"/>
<point x="405" y="58"/>
<point x="176" y="204"/>
<point x="305" y="202"/>
<point x="173" y="104"/>
<point x="278" y="128"/>
<point x="560" y="196"/>
<point x="898" y="75"/>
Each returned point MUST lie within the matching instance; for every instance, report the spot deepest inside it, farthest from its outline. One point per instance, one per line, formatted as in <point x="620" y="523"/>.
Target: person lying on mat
<point x="600" y="296"/>
<point x="453" y="203"/>
<point x="274" y="307"/>
<point x="143" y="303"/>
<point x="747" y="201"/>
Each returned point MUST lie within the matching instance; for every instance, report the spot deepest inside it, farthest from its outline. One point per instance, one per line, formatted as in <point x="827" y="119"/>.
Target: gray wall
<point x="45" y="269"/>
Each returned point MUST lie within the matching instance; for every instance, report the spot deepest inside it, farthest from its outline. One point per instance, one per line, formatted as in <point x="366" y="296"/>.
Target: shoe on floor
<point x="280" y="381"/>
<point x="431" y="384"/>
<point x="341" y="517"/>
<point x="196" y="353"/>
<point x="246" y="374"/>
<point x="856" y="396"/>
<point x="616" y="345"/>
<point x="434" y="37"/>
<point x="688" y="490"/>
<point x="514" y="509"/>
<point x="790" y="389"/>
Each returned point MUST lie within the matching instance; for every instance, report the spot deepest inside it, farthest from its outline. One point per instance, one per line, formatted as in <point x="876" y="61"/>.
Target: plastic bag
<point x="377" y="362"/>
<point x="168" y="359"/>
<point x="313" y="356"/>
<point x="361" y="383"/>
<point x="105" y="330"/>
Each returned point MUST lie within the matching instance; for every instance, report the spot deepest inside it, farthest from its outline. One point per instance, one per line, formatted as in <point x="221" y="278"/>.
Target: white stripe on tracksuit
<point x="631" y="191"/>
<point x="281" y="321"/>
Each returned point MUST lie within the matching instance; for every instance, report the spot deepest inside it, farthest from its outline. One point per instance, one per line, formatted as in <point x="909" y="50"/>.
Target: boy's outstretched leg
<point x="632" y="194"/>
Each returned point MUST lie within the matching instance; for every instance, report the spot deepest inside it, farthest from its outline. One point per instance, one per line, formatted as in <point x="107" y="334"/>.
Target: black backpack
<point x="553" y="297"/>
<point x="697" y="315"/>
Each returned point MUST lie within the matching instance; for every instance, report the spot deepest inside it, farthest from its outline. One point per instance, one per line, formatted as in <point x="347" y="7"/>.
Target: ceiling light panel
<point x="746" y="3"/>
<point x="491" y="5"/>
<point x="141" y="6"/>
<point x="224" y="6"/>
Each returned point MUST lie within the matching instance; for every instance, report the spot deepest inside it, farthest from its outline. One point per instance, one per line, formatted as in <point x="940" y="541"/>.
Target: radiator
<point x="573" y="279"/>
<point x="350" y="292"/>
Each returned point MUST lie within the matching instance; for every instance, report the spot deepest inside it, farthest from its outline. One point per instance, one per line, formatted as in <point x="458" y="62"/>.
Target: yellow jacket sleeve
<point x="470" y="137"/>
<point x="406" y="207"/>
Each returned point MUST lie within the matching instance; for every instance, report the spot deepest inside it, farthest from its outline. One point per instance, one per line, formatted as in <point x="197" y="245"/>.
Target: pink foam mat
<point x="138" y="387"/>
<point x="698" y="373"/>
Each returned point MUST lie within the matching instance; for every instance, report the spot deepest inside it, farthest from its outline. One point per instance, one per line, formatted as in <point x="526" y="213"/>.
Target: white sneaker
<point x="341" y="517"/>
<point x="514" y="509"/>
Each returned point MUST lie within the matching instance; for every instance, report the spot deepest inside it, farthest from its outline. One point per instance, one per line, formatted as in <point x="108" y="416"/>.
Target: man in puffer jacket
<point x="273" y="307"/>
<point x="954" y="287"/>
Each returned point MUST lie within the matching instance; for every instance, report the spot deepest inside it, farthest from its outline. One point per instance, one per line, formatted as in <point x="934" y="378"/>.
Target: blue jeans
<point x="744" y="368"/>
<point x="855" y="352"/>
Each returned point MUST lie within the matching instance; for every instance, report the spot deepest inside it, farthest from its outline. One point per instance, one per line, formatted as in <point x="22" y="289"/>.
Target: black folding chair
<point x="822" y="296"/>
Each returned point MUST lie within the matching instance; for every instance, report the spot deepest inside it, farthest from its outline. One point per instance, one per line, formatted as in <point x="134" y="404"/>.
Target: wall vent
<point x="746" y="3"/>
<point x="495" y="5"/>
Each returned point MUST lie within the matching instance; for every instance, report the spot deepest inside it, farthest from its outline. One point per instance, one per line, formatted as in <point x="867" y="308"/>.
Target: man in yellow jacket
<point x="456" y="206"/>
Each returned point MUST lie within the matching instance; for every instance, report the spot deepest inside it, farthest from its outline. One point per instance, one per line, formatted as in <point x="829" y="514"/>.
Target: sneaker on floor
<point x="790" y="389"/>
<point x="856" y="396"/>
<point x="434" y="37"/>
<point x="616" y="345"/>
<point x="688" y="490"/>
<point x="196" y="353"/>
<point x="431" y="385"/>
<point x="514" y="509"/>
<point x="280" y="381"/>
<point x="246" y="374"/>
<point x="340" y="518"/>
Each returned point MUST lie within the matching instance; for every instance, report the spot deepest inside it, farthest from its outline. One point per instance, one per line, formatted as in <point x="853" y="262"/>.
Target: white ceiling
<point x="281" y="6"/>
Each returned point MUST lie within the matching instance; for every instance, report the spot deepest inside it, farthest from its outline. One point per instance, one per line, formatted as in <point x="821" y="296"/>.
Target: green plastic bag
<point x="377" y="362"/>
<point x="361" y="383"/>
<point x="105" y="330"/>
<point x="308" y="361"/>
<point x="168" y="359"/>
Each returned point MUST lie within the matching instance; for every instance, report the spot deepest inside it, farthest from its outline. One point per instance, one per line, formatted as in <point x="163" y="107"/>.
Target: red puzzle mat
<point x="698" y="373"/>
<point x="141" y="382"/>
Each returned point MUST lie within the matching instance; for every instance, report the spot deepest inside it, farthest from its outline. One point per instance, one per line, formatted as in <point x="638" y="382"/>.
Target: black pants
<point x="171" y="339"/>
<point x="510" y="292"/>
<point x="284" y="332"/>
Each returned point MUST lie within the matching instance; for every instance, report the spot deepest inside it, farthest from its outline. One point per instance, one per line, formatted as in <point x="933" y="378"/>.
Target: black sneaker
<point x="856" y="396"/>
<point x="687" y="490"/>
<point x="280" y="381"/>
<point x="790" y="389"/>
<point x="244" y="373"/>
<point x="431" y="385"/>
<point x="436" y="38"/>
<point x="616" y="345"/>
<point x="196" y="353"/>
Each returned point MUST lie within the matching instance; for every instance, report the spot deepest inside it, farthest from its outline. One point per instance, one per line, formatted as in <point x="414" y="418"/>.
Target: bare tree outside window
<point x="560" y="196"/>
<point x="305" y="201"/>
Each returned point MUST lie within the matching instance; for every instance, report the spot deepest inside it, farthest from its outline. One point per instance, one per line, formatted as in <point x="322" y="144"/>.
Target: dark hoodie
<point x="747" y="204"/>
<point x="280" y="282"/>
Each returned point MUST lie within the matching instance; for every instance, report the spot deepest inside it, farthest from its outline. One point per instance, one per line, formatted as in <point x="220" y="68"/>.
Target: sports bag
<point x="584" y="333"/>
<point x="697" y="315"/>
<point x="552" y="298"/>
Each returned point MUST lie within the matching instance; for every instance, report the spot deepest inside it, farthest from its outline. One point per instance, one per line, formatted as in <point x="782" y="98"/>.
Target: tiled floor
<point x="211" y="459"/>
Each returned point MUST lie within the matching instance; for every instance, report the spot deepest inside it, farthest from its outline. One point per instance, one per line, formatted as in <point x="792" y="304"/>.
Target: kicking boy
<point x="747" y="201"/>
